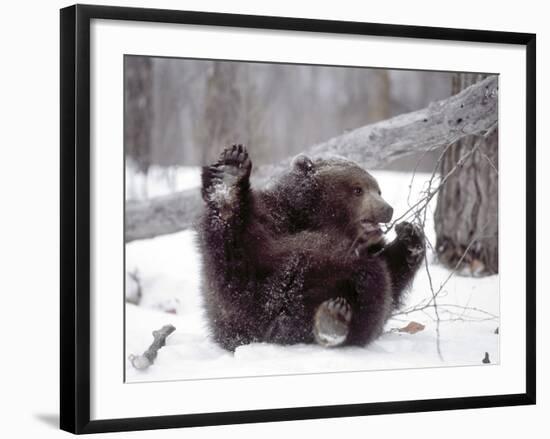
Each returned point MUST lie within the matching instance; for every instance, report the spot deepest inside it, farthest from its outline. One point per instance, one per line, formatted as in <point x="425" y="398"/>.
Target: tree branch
<point x="472" y="111"/>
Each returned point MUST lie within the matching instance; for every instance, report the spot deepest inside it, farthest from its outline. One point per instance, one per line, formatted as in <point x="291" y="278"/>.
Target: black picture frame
<point x="76" y="210"/>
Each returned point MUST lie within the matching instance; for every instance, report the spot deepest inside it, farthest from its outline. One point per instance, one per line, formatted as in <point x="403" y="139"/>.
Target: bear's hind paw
<point x="331" y="322"/>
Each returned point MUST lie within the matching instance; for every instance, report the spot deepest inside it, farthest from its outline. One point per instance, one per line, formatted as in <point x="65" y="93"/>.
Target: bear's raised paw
<point x="412" y="236"/>
<point x="234" y="165"/>
<point x="231" y="171"/>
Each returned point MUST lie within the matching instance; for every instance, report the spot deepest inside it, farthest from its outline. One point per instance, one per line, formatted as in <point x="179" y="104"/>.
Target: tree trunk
<point x="138" y="117"/>
<point x="378" y="102"/>
<point x="221" y="113"/>
<point x="466" y="216"/>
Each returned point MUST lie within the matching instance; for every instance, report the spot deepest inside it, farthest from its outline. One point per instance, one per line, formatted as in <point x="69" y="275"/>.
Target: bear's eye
<point x="357" y="191"/>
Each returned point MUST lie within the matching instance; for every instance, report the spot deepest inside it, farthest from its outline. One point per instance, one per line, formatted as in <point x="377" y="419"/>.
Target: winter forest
<point x="429" y="138"/>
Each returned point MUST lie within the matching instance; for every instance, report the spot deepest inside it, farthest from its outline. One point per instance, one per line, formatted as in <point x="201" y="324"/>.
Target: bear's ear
<point x="303" y="163"/>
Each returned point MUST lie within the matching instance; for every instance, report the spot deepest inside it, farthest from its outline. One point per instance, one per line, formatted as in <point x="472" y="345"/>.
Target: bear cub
<point x="303" y="260"/>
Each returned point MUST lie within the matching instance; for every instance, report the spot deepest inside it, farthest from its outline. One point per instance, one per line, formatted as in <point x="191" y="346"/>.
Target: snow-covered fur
<point x="304" y="260"/>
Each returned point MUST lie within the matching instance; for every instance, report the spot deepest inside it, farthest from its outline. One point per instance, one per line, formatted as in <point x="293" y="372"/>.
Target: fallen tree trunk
<point x="162" y="215"/>
<point x="473" y="111"/>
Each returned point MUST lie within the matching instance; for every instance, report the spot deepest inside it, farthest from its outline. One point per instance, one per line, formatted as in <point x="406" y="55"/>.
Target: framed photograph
<point x="275" y="218"/>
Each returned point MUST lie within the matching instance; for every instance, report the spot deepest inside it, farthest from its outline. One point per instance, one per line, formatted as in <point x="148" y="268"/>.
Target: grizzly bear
<point x="304" y="260"/>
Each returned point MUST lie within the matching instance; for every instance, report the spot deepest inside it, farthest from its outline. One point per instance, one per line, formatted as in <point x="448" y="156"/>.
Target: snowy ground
<point x="167" y="269"/>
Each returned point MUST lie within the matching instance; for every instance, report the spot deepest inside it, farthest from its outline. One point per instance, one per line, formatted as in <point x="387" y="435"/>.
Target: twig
<point x="421" y="204"/>
<point x="434" y="296"/>
<point x="444" y="307"/>
<point x="419" y="211"/>
<point x="434" y="300"/>
<point x="142" y="362"/>
<point x="415" y="170"/>
<point x="486" y="157"/>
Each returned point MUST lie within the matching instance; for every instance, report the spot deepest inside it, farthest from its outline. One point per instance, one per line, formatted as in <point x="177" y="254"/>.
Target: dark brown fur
<point x="271" y="258"/>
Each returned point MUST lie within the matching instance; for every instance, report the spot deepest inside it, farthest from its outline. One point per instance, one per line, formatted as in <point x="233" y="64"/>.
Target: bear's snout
<point x="386" y="213"/>
<point x="376" y="210"/>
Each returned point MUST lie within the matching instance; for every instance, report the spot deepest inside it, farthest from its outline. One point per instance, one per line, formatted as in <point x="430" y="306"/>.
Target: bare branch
<point x="419" y="207"/>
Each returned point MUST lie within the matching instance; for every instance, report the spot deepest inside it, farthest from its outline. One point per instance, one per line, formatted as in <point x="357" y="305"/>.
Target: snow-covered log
<point x="162" y="215"/>
<point x="473" y="111"/>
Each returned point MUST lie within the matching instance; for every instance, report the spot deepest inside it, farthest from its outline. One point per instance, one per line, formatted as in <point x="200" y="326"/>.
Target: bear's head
<point x="340" y="194"/>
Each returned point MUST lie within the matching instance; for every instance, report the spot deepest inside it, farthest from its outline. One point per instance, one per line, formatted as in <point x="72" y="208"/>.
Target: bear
<point x="303" y="260"/>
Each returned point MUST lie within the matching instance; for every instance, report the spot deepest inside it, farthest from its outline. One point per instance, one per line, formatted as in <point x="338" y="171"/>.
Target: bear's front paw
<point x="331" y="322"/>
<point x="234" y="165"/>
<point x="368" y="237"/>
<point x="412" y="237"/>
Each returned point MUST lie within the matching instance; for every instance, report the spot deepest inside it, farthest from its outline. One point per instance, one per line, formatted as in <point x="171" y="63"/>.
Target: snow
<point x="166" y="272"/>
